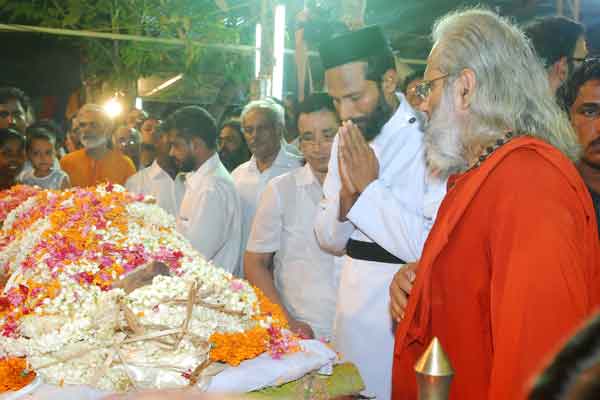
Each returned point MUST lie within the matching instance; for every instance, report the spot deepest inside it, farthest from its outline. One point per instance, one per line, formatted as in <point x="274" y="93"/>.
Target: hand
<point x="348" y="188"/>
<point x="301" y="328"/>
<point x="400" y="290"/>
<point x="358" y="158"/>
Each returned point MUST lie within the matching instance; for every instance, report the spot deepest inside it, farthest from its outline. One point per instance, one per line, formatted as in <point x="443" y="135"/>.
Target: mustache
<point x="594" y="142"/>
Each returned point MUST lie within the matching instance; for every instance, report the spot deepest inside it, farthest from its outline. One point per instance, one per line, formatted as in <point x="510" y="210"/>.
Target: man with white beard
<point x="96" y="162"/>
<point x="512" y="263"/>
<point x="379" y="203"/>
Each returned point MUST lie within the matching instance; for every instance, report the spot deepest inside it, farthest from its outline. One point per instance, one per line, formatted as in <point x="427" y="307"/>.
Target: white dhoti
<point x="364" y="328"/>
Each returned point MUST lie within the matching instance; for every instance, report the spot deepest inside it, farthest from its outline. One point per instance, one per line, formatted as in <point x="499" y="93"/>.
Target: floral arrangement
<point x="65" y="253"/>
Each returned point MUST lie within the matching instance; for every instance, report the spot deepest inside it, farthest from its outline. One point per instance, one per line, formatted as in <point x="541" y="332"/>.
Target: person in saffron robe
<point x="511" y="266"/>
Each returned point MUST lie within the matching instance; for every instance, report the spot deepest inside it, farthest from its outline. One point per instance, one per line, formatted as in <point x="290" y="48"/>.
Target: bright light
<point x="278" y="51"/>
<point x="113" y="107"/>
<point x="139" y="104"/>
<point x="258" y="41"/>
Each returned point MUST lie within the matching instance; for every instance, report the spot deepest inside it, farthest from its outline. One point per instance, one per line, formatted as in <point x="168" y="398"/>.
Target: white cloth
<point x="250" y="183"/>
<point x="210" y="215"/>
<point x="56" y="179"/>
<point x="396" y="211"/>
<point x="305" y="276"/>
<point x="255" y="374"/>
<point x="156" y="182"/>
<point x="28" y="167"/>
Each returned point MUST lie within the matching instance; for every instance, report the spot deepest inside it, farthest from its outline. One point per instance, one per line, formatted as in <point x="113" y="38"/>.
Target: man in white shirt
<point x="263" y="122"/>
<point x="283" y="257"/>
<point x="379" y="203"/>
<point x="158" y="180"/>
<point x="210" y="213"/>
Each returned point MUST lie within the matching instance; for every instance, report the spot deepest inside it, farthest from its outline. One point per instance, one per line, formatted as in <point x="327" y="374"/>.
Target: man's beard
<point x="93" y="141"/>
<point x="444" y="146"/>
<point x="590" y="163"/>
<point x="187" y="165"/>
<point x="371" y="124"/>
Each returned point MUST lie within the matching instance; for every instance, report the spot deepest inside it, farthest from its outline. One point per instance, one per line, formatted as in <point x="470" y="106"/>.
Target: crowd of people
<point x="463" y="206"/>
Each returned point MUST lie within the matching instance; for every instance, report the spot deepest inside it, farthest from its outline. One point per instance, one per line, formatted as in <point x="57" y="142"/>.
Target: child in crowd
<point x="12" y="157"/>
<point x="41" y="151"/>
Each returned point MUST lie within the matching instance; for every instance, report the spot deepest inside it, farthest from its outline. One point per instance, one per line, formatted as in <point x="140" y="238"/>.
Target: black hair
<point x="148" y="147"/>
<point x="554" y="37"/>
<point x="12" y="93"/>
<point x="568" y="92"/>
<point x="234" y="124"/>
<point x="39" y="133"/>
<point x="581" y="353"/>
<point x="194" y="121"/>
<point x="150" y="117"/>
<point x="315" y="102"/>
<point x="49" y="125"/>
<point x="379" y="64"/>
<point x="8" y="134"/>
<point x="413" y="76"/>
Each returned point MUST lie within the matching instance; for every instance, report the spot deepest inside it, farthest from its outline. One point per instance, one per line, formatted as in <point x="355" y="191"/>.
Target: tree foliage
<point x="119" y="63"/>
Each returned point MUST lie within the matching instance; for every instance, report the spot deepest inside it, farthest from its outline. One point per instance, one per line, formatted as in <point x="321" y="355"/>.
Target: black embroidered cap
<point x="353" y="46"/>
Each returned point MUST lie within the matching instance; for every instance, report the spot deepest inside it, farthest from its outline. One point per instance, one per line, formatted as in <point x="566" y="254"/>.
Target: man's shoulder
<point x="241" y="169"/>
<point x="73" y="157"/>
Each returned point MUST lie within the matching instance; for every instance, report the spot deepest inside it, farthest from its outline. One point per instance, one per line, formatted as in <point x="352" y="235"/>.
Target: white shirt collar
<point x="283" y="159"/>
<point x="306" y="176"/>
<point x="205" y="169"/>
<point x="403" y="116"/>
<point x="155" y="170"/>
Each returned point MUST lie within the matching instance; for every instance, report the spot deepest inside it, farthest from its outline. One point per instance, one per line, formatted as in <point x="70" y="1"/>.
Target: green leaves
<point x="194" y="21"/>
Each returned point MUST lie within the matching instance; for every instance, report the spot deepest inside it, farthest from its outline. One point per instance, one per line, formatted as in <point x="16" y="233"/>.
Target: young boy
<point x="12" y="157"/>
<point x="41" y="151"/>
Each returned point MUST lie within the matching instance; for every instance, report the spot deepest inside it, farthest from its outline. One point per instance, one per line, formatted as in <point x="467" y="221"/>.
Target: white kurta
<point x="305" y="276"/>
<point x="250" y="183"/>
<point x="210" y="215"/>
<point x="154" y="181"/>
<point x="395" y="211"/>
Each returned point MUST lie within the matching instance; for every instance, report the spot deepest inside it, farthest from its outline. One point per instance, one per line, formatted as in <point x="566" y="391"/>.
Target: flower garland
<point x="65" y="250"/>
<point x="11" y="198"/>
<point x="12" y="374"/>
<point x="270" y="335"/>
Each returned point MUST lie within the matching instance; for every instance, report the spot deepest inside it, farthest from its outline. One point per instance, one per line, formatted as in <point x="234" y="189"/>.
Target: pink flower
<point x="236" y="285"/>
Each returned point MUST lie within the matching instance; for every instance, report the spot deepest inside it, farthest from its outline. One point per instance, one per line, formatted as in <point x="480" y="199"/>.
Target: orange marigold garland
<point x="233" y="348"/>
<point x="14" y="375"/>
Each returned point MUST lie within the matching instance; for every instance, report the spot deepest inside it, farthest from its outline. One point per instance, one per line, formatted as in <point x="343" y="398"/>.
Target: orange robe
<point x="508" y="272"/>
<point x="83" y="170"/>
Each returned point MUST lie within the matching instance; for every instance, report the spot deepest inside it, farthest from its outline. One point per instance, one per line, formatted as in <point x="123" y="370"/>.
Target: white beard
<point x="90" y="144"/>
<point x="443" y="134"/>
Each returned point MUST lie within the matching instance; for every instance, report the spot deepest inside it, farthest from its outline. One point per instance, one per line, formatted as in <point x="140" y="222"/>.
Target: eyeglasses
<point x="423" y="88"/>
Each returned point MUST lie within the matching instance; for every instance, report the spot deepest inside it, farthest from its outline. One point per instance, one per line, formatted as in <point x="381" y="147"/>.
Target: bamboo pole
<point x="137" y="38"/>
<point x="120" y="36"/>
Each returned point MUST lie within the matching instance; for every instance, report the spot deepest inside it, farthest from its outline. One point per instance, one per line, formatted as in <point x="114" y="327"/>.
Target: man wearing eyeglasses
<point x="379" y="203"/>
<point x="96" y="162"/>
<point x="560" y="43"/>
<point x="14" y="107"/>
<point x="512" y="264"/>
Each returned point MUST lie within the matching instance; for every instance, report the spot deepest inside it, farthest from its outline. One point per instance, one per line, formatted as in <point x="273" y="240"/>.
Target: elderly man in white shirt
<point x="158" y="180"/>
<point x="263" y="122"/>
<point x="379" y="202"/>
<point x="210" y="212"/>
<point x="283" y="257"/>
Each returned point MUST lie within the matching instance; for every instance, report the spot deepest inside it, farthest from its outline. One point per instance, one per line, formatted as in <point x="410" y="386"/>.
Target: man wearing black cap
<point x="379" y="203"/>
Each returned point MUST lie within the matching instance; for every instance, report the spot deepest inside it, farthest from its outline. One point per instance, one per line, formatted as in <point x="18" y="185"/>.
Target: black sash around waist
<point x="369" y="251"/>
